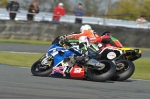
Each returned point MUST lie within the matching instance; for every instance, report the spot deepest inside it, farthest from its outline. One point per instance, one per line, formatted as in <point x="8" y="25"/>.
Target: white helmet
<point x="84" y="39"/>
<point x="85" y="27"/>
<point x="61" y="4"/>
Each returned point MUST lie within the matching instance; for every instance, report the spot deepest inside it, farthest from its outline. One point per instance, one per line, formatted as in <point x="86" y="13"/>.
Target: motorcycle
<point x="69" y="63"/>
<point x="123" y="61"/>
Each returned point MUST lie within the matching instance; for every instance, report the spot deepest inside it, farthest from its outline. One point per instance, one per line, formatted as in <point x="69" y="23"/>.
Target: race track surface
<point x="18" y="83"/>
<point x="37" y="48"/>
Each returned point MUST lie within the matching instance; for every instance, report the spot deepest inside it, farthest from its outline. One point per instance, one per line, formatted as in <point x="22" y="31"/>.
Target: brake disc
<point x="120" y="66"/>
<point x="102" y="66"/>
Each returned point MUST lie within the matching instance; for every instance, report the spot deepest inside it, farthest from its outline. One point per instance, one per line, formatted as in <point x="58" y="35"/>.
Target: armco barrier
<point x="50" y="30"/>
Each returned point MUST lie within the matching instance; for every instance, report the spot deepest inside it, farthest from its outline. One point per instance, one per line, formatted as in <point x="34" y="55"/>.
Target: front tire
<point x="38" y="69"/>
<point x="104" y="74"/>
<point x="125" y="71"/>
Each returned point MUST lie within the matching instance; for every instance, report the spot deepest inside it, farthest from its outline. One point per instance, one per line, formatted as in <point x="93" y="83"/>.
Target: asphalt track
<point x="18" y="83"/>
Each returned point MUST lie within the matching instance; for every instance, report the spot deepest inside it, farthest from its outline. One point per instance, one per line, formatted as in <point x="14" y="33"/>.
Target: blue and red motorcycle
<point x="68" y="62"/>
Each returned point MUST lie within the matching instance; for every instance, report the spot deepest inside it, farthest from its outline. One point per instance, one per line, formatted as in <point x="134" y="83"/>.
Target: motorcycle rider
<point x="87" y="48"/>
<point x="85" y="30"/>
<point x="108" y="40"/>
<point x="105" y="38"/>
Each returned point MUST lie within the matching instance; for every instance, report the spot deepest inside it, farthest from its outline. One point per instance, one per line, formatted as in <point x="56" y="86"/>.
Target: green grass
<point x="142" y="65"/>
<point x="142" y="68"/>
<point x="18" y="59"/>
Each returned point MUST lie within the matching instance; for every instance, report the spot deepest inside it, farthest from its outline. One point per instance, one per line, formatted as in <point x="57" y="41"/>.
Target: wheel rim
<point x="105" y="69"/>
<point x="122" y="67"/>
<point x="42" y="68"/>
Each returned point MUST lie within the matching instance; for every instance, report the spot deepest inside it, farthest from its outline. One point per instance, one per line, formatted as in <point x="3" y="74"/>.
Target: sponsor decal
<point x="77" y="70"/>
<point x="111" y="55"/>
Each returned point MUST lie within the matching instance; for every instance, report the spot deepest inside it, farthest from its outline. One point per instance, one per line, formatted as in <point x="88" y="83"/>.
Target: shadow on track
<point x="69" y="78"/>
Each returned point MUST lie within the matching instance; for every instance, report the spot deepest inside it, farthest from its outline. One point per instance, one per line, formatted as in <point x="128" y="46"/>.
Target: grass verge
<point x="18" y="59"/>
<point x="142" y="66"/>
<point x="142" y="69"/>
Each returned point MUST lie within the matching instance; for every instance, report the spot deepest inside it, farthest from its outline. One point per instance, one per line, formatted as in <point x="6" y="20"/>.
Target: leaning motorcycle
<point x="123" y="60"/>
<point x="68" y="63"/>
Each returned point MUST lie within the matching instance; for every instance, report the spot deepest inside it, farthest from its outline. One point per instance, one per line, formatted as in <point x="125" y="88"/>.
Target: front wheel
<point x="104" y="74"/>
<point x="124" y="70"/>
<point x="38" y="69"/>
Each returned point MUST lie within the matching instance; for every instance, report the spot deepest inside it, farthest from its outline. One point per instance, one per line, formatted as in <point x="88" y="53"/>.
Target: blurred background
<point x="103" y="12"/>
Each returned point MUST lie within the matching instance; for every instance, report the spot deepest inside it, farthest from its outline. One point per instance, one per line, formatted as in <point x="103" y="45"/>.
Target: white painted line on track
<point x="21" y="52"/>
<point x="25" y="67"/>
<point x="139" y="79"/>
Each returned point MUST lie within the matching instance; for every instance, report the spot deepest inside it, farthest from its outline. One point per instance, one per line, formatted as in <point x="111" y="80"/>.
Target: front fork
<point x="45" y="59"/>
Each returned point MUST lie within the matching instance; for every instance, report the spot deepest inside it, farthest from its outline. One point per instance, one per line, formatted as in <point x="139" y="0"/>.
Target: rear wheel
<point x="103" y="74"/>
<point x="38" y="69"/>
<point x="124" y="70"/>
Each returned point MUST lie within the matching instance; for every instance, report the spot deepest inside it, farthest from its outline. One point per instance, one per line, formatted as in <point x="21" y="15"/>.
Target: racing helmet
<point x="106" y="33"/>
<point x="84" y="40"/>
<point x="85" y="27"/>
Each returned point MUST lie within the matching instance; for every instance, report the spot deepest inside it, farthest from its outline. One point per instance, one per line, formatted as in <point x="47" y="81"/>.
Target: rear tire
<point x="104" y="74"/>
<point x="124" y="73"/>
